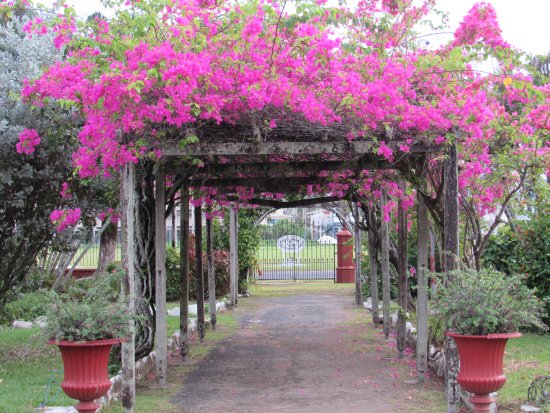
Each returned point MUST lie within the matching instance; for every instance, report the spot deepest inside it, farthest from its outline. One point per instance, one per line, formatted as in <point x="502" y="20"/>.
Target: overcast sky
<point x="524" y="23"/>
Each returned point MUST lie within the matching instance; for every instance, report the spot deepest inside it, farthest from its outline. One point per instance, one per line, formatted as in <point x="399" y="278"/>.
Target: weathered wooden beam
<point x="199" y="272"/>
<point x="211" y="270"/>
<point x="285" y="148"/>
<point x="129" y="259"/>
<point x="236" y="242"/>
<point x="289" y="169"/>
<point x="422" y="289"/>
<point x="273" y="182"/>
<point x="385" y="252"/>
<point x="403" y="271"/>
<point x="160" y="269"/>
<point x="357" y="239"/>
<point x="451" y="245"/>
<point x="232" y="257"/>
<point x="274" y="203"/>
<point x="184" y="270"/>
<point x="373" y="270"/>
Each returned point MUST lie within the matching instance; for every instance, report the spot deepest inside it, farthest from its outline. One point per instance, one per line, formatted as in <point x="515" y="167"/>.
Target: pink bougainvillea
<point x="65" y="218"/>
<point x="28" y="141"/>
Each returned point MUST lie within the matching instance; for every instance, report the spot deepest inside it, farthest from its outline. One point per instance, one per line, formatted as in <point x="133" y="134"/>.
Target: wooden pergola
<point x="279" y="161"/>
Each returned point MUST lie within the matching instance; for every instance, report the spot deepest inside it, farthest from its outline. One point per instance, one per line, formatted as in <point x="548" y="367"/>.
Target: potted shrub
<point x="483" y="310"/>
<point x="85" y="322"/>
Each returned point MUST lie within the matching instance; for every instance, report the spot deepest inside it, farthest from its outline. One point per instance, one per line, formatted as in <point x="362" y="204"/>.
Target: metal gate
<point x="296" y="250"/>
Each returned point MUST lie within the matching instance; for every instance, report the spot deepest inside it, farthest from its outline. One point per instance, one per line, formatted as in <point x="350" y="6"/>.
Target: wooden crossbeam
<point x="284" y="148"/>
<point x="288" y="169"/>
<point x="269" y="182"/>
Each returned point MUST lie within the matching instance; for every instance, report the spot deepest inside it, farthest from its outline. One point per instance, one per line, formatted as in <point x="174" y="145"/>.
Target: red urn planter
<point x="481" y="365"/>
<point x="86" y="376"/>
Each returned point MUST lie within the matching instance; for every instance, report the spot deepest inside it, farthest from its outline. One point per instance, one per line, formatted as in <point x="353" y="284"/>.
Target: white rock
<point x="528" y="408"/>
<point x="192" y="325"/>
<point x="56" y="410"/>
<point x="220" y="306"/>
<point x="174" y="312"/>
<point x="22" y="324"/>
<point x="368" y="304"/>
<point x="410" y="327"/>
<point x="394" y="317"/>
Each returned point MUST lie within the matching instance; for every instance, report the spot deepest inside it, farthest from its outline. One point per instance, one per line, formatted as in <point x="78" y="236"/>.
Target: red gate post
<point x="345" y="270"/>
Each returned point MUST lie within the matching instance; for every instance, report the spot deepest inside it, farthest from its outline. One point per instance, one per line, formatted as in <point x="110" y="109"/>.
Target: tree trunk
<point x="107" y="247"/>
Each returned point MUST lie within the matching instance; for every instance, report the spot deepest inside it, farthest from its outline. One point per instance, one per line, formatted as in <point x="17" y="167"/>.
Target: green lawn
<point x="526" y="358"/>
<point x="31" y="370"/>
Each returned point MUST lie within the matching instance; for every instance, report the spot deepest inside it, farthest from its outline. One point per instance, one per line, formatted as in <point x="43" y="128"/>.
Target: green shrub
<point x="27" y="306"/>
<point x="221" y="270"/>
<point x="487" y="302"/>
<point x="88" y="311"/>
<point x="527" y="252"/>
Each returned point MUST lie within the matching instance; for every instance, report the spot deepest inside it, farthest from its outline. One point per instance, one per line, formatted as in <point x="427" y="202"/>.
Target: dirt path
<point x="305" y="353"/>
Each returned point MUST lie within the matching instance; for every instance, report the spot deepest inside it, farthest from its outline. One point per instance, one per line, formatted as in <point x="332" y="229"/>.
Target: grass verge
<point x="525" y="359"/>
<point x="31" y="370"/>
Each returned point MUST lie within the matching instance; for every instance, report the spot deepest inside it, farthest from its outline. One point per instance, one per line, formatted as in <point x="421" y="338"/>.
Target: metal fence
<point x="291" y="250"/>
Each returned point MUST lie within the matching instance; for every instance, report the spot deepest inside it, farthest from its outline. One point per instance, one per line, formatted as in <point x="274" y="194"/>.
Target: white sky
<point x="524" y="23"/>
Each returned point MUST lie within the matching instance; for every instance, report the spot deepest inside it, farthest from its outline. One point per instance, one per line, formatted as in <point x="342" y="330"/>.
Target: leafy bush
<point x="27" y="306"/>
<point x="92" y="312"/>
<point x="221" y="270"/>
<point x="525" y="252"/>
<point x="487" y="302"/>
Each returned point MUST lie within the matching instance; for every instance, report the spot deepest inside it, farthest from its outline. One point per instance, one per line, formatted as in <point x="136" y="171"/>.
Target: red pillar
<point x="345" y="269"/>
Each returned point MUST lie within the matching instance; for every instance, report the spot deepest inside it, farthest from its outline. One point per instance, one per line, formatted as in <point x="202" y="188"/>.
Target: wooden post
<point x="451" y="244"/>
<point x="403" y="272"/>
<point x="211" y="270"/>
<point x="236" y="241"/>
<point x="373" y="257"/>
<point x="422" y="289"/>
<point x="129" y="258"/>
<point x="184" y="270"/>
<point x="232" y="258"/>
<point x="160" y="268"/>
<point x="385" y="250"/>
<point x="357" y="234"/>
<point x="174" y="232"/>
<point x="199" y="272"/>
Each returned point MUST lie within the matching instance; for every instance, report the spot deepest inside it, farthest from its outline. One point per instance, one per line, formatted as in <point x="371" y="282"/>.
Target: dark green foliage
<point x="526" y="251"/>
<point x="27" y="307"/>
<point x="221" y="268"/>
<point x="248" y="241"/>
<point x="487" y="302"/>
<point x="89" y="310"/>
<point x="30" y="184"/>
